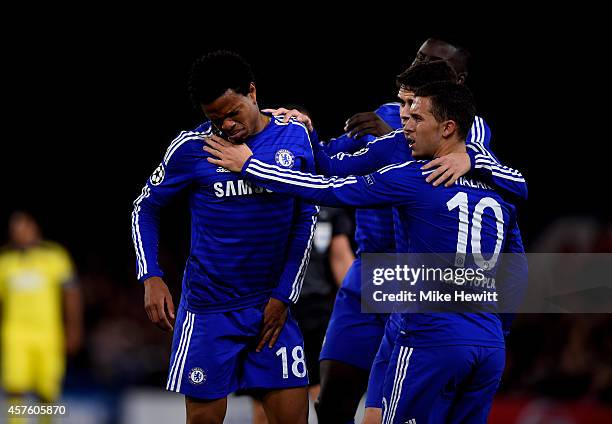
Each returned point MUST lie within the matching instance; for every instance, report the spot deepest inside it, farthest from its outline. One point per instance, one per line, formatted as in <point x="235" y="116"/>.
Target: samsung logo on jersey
<point x="237" y="188"/>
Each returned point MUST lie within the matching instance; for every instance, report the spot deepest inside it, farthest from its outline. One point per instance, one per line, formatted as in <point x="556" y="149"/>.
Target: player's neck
<point x="27" y="244"/>
<point x="262" y="123"/>
<point x="453" y="145"/>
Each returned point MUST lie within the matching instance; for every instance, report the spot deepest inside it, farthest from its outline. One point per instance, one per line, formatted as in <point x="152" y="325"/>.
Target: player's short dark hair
<point x="425" y="73"/>
<point x="450" y="101"/>
<point x="214" y="73"/>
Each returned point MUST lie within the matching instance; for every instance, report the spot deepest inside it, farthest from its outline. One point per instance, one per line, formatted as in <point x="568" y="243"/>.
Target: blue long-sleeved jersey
<point x="247" y="244"/>
<point x="388" y="112"/>
<point x="374" y="232"/>
<point x="373" y="227"/>
<point x="393" y="148"/>
<point x="468" y="218"/>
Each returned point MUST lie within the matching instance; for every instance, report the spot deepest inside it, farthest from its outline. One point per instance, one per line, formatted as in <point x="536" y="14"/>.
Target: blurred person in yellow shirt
<point x="41" y="312"/>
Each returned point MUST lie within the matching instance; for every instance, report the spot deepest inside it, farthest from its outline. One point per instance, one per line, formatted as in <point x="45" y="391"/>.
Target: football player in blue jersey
<point x="249" y="253"/>
<point x="443" y="367"/>
<point x="384" y="120"/>
<point x="345" y="373"/>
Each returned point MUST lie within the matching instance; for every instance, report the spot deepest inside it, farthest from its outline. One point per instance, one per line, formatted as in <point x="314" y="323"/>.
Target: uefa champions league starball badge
<point x="158" y="175"/>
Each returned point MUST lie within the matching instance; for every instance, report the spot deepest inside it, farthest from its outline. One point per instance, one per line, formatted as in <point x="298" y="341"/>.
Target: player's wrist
<point x="281" y="299"/>
<point x="243" y="170"/>
<point x="152" y="280"/>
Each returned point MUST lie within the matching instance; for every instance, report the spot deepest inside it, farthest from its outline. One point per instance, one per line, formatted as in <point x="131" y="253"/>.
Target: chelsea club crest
<point x="284" y="158"/>
<point x="197" y="376"/>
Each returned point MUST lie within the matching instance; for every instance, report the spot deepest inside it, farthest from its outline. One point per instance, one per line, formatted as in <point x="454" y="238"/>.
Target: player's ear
<point x="253" y="92"/>
<point x="461" y="77"/>
<point x="448" y="128"/>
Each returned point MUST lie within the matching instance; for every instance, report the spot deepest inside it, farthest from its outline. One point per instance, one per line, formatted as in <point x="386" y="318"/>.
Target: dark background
<point x="93" y="105"/>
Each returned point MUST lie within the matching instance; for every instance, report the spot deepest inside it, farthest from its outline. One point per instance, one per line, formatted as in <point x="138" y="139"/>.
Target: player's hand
<point x="364" y="123"/>
<point x="229" y="156"/>
<point x="448" y="168"/>
<point x="274" y="319"/>
<point x="293" y="113"/>
<point x="156" y="298"/>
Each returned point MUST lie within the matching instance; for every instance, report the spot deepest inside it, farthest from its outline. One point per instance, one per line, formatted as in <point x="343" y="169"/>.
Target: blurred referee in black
<point x="330" y="259"/>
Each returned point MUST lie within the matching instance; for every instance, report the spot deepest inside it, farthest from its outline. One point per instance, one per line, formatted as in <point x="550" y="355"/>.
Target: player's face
<point x="406" y="97"/>
<point x="23" y="230"/>
<point x="234" y="114"/>
<point x="434" y="50"/>
<point x="422" y="130"/>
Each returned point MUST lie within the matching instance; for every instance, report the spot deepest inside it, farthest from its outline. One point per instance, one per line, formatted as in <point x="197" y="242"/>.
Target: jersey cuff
<point x="278" y="296"/>
<point x="151" y="274"/>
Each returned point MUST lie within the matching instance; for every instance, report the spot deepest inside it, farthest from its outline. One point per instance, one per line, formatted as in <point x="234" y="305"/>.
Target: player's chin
<point x="239" y="137"/>
<point x="418" y="154"/>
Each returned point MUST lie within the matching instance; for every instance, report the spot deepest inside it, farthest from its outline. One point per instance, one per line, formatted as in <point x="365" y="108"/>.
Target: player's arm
<point x="72" y="302"/>
<point x="378" y="123"/>
<point x="512" y="276"/>
<point x="3" y="284"/>
<point x="343" y="143"/>
<point x="373" y="190"/>
<point x="174" y="174"/>
<point x="341" y="254"/>
<point x="490" y="170"/>
<point x="364" y="127"/>
<point x="486" y="165"/>
<point x="482" y="162"/>
<point x="376" y="154"/>
<point x="73" y="312"/>
<point x="366" y="123"/>
<point x="287" y="291"/>
<point x="382" y="188"/>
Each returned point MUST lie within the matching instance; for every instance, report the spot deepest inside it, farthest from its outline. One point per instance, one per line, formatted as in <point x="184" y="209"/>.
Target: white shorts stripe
<point x="398" y="369"/>
<point x="180" y="350"/>
<point x="400" y="385"/>
<point x="176" y="355"/>
<point x="180" y="376"/>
